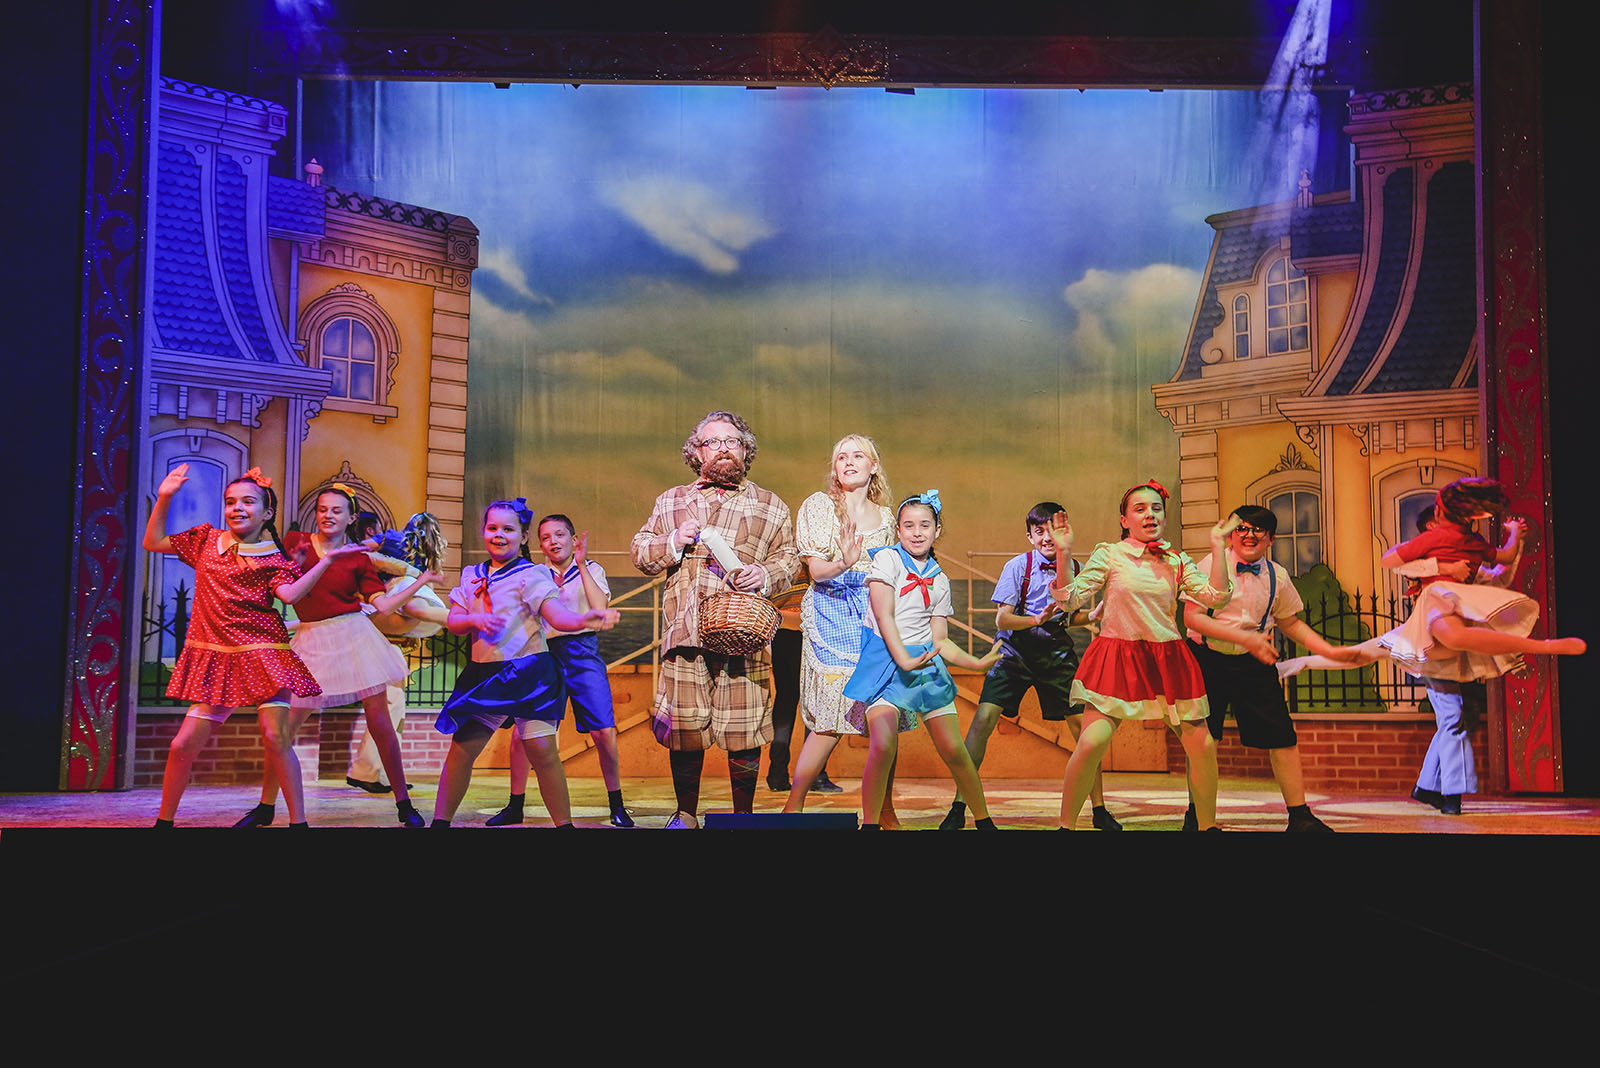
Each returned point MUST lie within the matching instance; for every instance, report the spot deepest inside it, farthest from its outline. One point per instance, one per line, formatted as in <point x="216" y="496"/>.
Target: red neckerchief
<point x="924" y="583"/>
<point x="485" y="576"/>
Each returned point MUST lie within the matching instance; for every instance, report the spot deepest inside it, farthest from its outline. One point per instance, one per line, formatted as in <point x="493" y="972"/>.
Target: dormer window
<point x="1241" y="327"/>
<point x="1288" y="309"/>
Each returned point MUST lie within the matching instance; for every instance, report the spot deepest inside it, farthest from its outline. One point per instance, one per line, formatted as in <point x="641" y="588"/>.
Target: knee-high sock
<point x="686" y="767"/>
<point x="744" y="766"/>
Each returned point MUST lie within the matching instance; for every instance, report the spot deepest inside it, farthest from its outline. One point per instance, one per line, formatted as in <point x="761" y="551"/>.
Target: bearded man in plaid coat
<point x="705" y="698"/>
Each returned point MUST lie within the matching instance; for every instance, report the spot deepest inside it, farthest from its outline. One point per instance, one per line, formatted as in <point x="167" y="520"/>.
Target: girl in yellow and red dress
<point x="237" y="651"/>
<point x="1139" y="665"/>
<point x="345" y="652"/>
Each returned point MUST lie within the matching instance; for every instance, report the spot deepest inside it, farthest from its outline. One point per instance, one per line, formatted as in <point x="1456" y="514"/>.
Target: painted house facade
<point x="1330" y="372"/>
<point x="320" y="334"/>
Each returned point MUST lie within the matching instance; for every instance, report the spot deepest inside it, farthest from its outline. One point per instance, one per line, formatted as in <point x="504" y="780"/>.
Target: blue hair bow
<point x="524" y="513"/>
<point x="930" y="498"/>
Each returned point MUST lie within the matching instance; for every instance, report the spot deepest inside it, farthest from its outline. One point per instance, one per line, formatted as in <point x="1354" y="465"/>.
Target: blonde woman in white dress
<point x="833" y="531"/>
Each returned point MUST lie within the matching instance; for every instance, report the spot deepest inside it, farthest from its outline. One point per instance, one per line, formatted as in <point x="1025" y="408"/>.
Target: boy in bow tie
<point x="1037" y="653"/>
<point x="1241" y="677"/>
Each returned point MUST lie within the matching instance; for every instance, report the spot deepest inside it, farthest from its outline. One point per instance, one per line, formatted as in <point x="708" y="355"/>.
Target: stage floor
<point x="1146" y="802"/>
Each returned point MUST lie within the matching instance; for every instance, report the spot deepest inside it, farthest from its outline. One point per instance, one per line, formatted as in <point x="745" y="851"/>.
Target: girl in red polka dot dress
<point x="237" y="650"/>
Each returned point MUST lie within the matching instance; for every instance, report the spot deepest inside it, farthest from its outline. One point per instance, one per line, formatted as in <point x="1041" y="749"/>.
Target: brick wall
<point x="1345" y="752"/>
<point x="324" y="745"/>
<point x="1348" y="753"/>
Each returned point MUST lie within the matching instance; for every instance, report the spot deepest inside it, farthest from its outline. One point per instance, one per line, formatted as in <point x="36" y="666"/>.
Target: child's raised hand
<point x="1061" y="534"/>
<point x="489" y="625"/>
<point x="580" y="549"/>
<point x="432" y="578"/>
<point x="991" y="658"/>
<point x="1049" y="610"/>
<point x="1220" y="532"/>
<point x="1517" y="527"/>
<point x="174" y="481"/>
<point x="601" y="618"/>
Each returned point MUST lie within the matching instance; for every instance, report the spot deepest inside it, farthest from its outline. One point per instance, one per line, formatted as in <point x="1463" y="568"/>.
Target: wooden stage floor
<point x="1146" y="802"/>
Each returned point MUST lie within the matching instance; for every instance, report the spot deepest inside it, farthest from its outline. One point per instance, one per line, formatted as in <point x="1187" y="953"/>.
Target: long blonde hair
<point x="877" y="487"/>
<point x="424" y="543"/>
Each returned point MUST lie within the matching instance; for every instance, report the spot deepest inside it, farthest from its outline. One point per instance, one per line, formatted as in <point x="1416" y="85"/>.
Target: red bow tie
<point x="919" y="582"/>
<point x="1047" y="565"/>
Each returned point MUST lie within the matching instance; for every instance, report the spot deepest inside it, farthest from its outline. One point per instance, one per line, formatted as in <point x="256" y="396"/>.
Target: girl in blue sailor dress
<point x="904" y="647"/>
<point x="504" y="604"/>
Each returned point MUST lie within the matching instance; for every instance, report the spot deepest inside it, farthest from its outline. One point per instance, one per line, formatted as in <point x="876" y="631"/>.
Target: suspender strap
<point x="1272" y="598"/>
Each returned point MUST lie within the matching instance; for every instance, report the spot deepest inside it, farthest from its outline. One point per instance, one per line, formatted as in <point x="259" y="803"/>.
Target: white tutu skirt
<point x="1413" y="646"/>
<point x="349" y="659"/>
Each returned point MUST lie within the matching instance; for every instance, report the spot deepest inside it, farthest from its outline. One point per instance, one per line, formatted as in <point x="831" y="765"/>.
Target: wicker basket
<point x="735" y="623"/>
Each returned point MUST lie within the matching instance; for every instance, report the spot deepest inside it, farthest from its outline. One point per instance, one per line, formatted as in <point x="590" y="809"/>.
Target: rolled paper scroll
<point x="722" y="551"/>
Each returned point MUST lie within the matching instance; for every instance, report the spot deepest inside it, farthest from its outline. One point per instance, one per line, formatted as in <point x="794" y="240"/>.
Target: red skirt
<point x="1141" y="680"/>
<point x="239" y="677"/>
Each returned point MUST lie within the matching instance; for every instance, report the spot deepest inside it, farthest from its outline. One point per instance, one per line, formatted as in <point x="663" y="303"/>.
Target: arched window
<point x="1241" y="327"/>
<point x="1288" y="309"/>
<point x="1298" y="543"/>
<point x="347" y="334"/>
<point x="349" y="351"/>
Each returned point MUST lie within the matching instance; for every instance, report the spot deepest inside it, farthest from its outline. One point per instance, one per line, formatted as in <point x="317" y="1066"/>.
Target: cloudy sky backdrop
<point x="986" y="281"/>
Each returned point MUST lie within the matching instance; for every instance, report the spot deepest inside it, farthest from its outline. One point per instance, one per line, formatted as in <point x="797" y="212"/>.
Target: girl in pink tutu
<point x="1138" y="666"/>
<point x="350" y="659"/>
<point x="236" y="653"/>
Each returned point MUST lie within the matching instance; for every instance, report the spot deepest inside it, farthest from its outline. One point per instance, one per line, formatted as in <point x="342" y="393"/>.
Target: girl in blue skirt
<point x="904" y="647"/>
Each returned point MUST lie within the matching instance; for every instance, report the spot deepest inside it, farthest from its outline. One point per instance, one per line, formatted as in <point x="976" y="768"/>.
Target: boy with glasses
<point x="1242" y="677"/>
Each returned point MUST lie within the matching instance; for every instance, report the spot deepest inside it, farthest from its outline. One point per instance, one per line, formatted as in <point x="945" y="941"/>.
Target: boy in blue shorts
<point x="1036" y="652"/>
<point x="578" y="581"/>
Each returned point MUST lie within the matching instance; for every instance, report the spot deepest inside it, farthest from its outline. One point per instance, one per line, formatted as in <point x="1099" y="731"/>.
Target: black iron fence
<point x="1379" y="687"/>
<point x="435" y="661"/>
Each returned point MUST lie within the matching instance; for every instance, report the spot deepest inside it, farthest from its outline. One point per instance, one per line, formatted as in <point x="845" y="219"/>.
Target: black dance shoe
<point x="260" y="816"/>
<point x="1427" y="797"/>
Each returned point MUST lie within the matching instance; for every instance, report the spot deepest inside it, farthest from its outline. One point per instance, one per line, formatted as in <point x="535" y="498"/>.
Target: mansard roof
<point x="1326" y="230"/>
<point x="1243" y="237"/>
<point x="294" y="208"/>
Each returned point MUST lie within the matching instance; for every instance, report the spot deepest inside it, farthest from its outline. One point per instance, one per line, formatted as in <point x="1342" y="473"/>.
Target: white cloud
<point x="1143" y="312"/>
<point x="686" y="218"/>
<point x="503" y="265"/>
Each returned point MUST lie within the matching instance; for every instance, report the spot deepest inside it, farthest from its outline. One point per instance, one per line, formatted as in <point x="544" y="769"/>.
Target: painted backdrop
<point x="986" y="281"/>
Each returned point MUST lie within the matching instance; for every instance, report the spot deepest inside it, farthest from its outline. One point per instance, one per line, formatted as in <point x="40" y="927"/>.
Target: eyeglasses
<point x="1247" y="529"/>
<point x="725" y="443"/>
